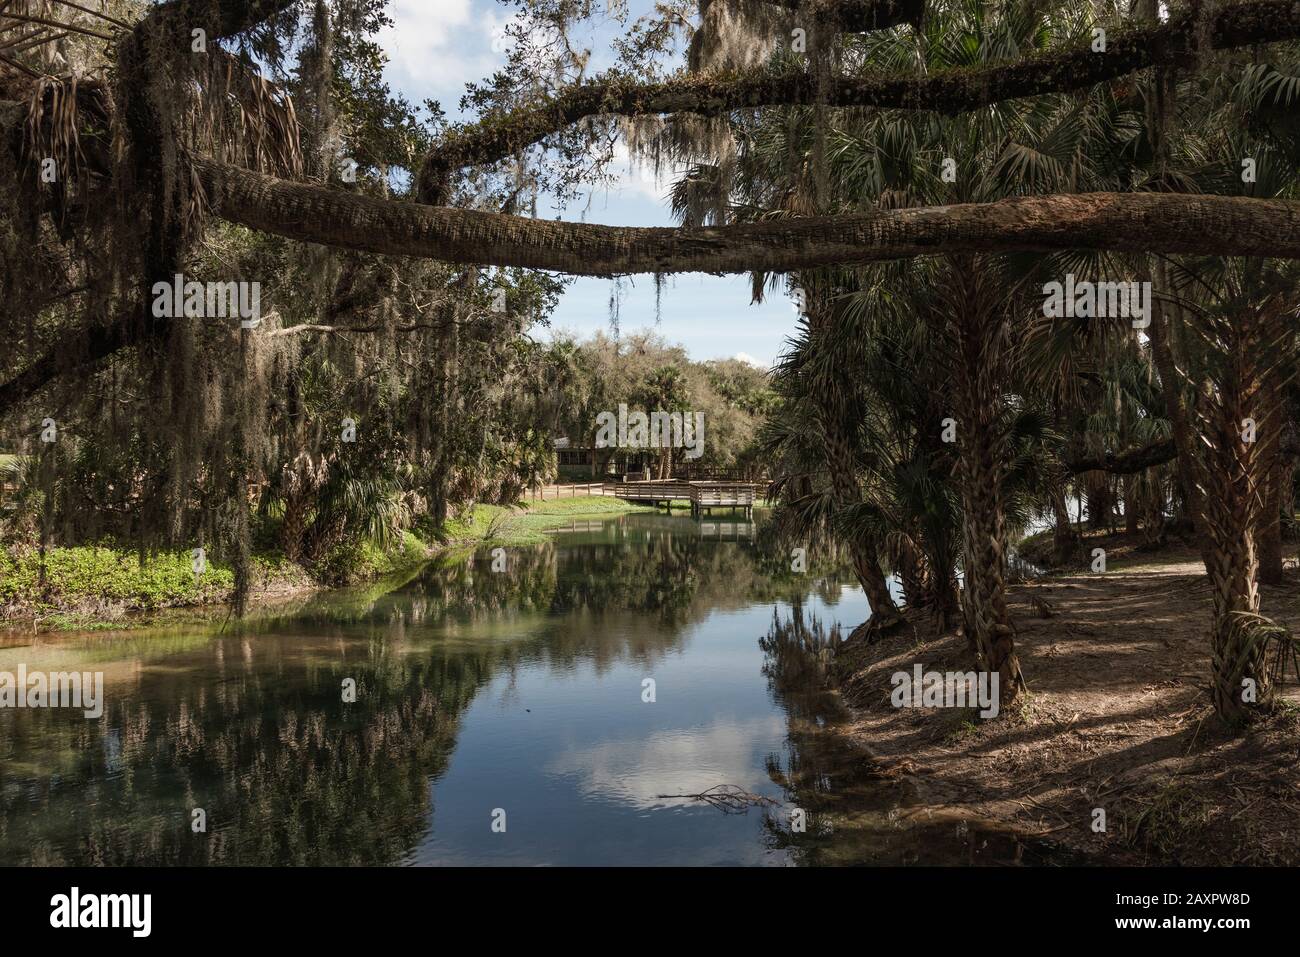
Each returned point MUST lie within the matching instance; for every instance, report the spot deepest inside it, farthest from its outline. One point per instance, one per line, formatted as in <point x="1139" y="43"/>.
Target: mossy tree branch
<point x="1134" y="222"/>
<point x="1176" y="42"/>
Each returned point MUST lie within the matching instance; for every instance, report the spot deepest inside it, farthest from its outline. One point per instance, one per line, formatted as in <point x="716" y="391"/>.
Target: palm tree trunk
<point x="1099" y="502"/>
<point x="866" y="557"/>
<point x="1236" y="472"/>
<point x="984" y="595"/>
<point x="1130" y="505"/>
<point x="297" y="505"/>
<point x="1064" y="537"/>
<point x="913" y="574"/>
<point x="1233" y="568"/>
<point x="1270" y="532"/>
<point x="977" y="384"/>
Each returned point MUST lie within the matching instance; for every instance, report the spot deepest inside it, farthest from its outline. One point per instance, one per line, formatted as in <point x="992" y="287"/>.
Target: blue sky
<point x="438" y="45"/>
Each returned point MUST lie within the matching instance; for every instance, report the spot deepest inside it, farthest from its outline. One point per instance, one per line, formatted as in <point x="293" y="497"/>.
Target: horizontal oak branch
<point x="1133" y="222"/>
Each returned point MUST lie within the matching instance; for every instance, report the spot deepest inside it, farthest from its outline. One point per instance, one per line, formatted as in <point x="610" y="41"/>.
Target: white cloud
<point x="749" y="360"/>
<point x="435" y="47"/>
<point x="637" y="176"/>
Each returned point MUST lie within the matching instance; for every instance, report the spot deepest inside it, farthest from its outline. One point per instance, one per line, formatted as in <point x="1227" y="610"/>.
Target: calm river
<point x="500" y="717"/>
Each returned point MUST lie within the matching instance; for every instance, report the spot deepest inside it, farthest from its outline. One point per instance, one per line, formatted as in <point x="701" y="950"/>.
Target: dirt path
<point x="1118" y="718"/>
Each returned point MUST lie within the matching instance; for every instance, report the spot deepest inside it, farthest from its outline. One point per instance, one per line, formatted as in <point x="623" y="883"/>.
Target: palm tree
<point x="1225" y="344"/>
<point x="803" y="160"/>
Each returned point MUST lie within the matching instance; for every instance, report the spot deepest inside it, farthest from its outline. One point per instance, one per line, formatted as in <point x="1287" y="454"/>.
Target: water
<point x="477" y="693"/>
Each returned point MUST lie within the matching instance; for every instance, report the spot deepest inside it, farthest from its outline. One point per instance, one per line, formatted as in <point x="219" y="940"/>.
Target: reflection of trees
<point x="286" y="772"/>
<point x="851" y="808"/>
<point x="250" y="724"/>
<point x="797" y="654"/>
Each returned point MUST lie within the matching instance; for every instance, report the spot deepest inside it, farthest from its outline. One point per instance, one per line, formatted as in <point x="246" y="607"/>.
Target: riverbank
<point x="529" y="522"/>
<point x="92" y="587"/>
<point x="1117" y="717"/>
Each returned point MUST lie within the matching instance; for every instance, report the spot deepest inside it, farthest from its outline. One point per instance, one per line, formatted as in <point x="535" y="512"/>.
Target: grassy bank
<point x="100" y="586"/>
<point x="91" y="585"/>
<point x="1117" y="717"/>
<point x="528" y="525"/>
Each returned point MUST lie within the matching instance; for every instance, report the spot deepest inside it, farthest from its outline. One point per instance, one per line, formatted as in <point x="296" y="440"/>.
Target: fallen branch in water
<point x="728" y="798"/>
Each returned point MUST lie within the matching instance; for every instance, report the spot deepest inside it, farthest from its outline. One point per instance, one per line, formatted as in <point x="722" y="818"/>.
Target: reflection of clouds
<point x="680" y="761"/>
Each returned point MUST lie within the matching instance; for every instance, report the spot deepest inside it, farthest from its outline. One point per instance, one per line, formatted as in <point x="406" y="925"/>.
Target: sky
<point x="436" y="46"/>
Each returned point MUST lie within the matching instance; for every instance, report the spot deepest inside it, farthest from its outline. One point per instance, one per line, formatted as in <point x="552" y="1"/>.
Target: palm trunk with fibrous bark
<point x="1229" y="515"/>
<point x="835" y="421"/>
<point x="1277" y="495"/>
<point x="1239" y="431"/>
<point x="840" y="463"/>
<point x="1270" y="531"/>
<point x="978" y="373"/>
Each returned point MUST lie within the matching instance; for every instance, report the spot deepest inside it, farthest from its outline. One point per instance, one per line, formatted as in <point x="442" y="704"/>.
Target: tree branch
<point x="93" y="344"/>
<point x="950" y="92"/>
<point x="221" y="19"/>
<point x="1135" y="222"/>
<point x="857" y="16"/>
<point x="1134" y="460"/>
<point x="335" y="330"/>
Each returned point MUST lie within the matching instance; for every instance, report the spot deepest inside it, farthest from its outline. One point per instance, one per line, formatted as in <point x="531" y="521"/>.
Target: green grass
<point x="584" y="505"/>
<point x="84" y="582"/>
<point x="99" y="577"/>
<point x="499" y="525"/>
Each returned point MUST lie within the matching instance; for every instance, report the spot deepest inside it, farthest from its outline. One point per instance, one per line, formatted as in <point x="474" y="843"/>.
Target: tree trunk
<point x="913" y="574"/>
<point x="984" y="600"/>
<point x="1222" y="477"/>
<point x="1232" y="569"/>
<point x="1065" y="540"/>
<point x="1270" y="531"/>
<point x="1235" y="473"/>
<point x="294" y="524"/>
<point x="866" y="557"/>
<point x="977" y="398"/>
<point x="1099" y="502"/>
<point x="1130" y="505"/>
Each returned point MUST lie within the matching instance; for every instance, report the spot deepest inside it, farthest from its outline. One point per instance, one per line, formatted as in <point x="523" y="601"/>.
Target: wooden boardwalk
<point x="703" y="496"/>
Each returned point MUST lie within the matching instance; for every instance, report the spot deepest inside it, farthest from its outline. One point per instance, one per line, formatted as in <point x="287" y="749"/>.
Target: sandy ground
<point x="1118" y="717"/>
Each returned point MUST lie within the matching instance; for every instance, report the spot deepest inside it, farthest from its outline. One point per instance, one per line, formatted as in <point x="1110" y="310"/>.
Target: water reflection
<point x="476" y="690"/>
<point x="854" y="813"/>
